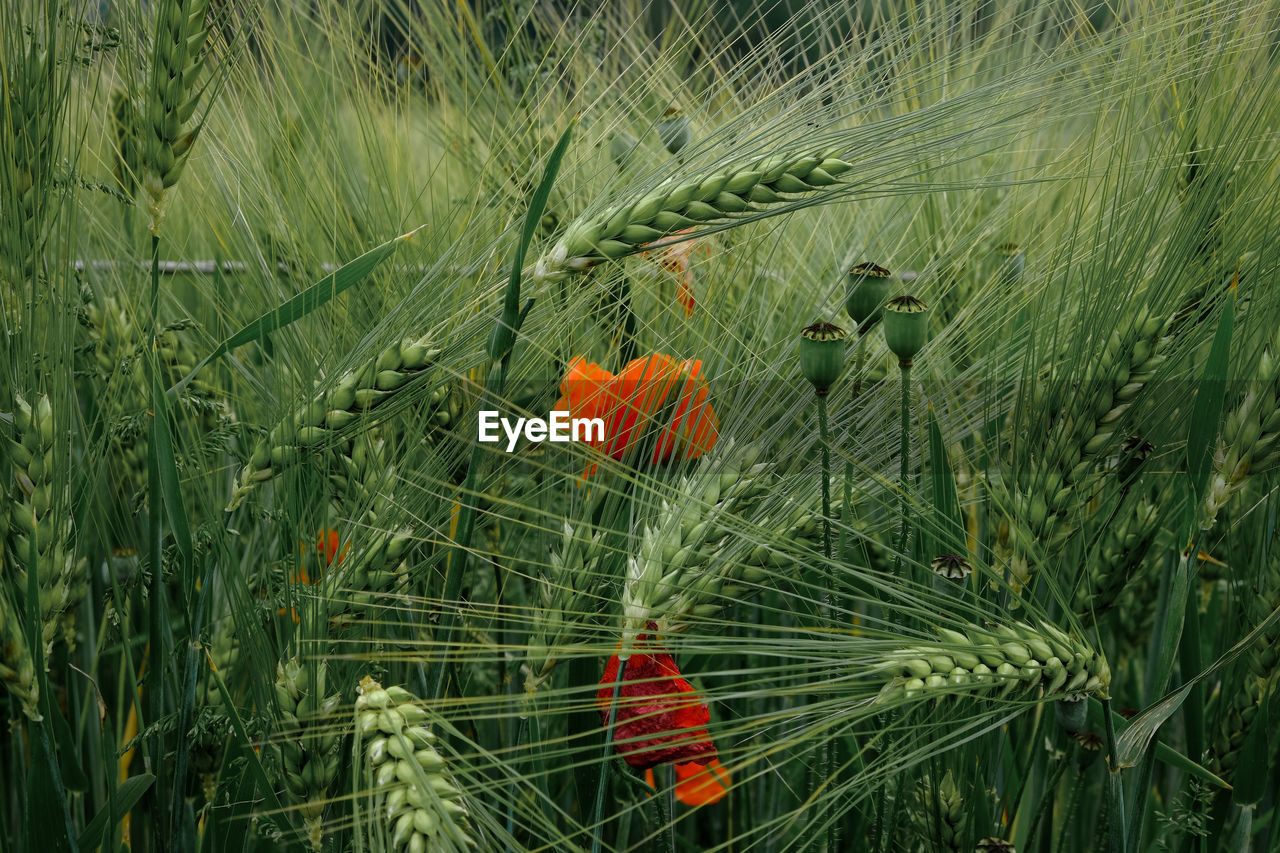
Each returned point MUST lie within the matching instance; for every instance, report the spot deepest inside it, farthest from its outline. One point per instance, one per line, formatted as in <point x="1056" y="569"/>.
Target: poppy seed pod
<point x="1133" y="455"/>
<point x="866" y="290"/>
<point x="621" y="146"/>
<point x="1012" y="264"/>
<point x="822" y="355"/>
<point x="674" y="129"/>
<point x="906" y="327"/>
<point x="951" y="567"/>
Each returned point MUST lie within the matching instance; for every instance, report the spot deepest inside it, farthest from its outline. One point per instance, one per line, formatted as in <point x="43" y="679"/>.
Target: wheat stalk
<point x="422" y="806"/>
<point x="1249" y="443"/>
<point x="1015" y="660"/>
<point x="346" y="405"/>
<point x="681" y="571"/>
<point x="310" y="740"/>
<point x="172" y="97"/>
<point x="719" y="198"/>
<point x="1061" y="475"/>
<point x="939" y="815"/>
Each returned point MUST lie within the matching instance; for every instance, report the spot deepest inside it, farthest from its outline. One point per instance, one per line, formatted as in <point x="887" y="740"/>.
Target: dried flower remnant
<point x="951" y="566"/>
<point x="677" y="259"/>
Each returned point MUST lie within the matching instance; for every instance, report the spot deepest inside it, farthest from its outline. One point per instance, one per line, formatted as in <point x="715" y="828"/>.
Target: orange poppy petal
<point x="701" y="785"/>
<point x="697" y="784"/>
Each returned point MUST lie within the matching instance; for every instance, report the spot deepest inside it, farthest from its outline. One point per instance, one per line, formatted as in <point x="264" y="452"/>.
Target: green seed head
<point x="866" y="291"/>
<point x="822" y="355"/>
<point x="621" y="146"/>
<point x="674" y="129"/>
<point x="906" y="327"/>
<point x="1012" y="263"/>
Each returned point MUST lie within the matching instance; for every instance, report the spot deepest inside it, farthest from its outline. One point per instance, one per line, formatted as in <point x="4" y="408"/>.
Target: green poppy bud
<point x="621" y="146"/>
<point x="674" y="129"/>
<point x="1012" y="264"/>
<point x="866" y="291"/>
<point x="1133" y="455"/>
<point x="822" y="355"/>
<point x="1072" y="714"/>
<point x="906" y="327"/>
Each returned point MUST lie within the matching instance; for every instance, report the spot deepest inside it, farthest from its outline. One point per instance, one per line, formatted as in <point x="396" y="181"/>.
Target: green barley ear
<point x="39" y="513"/>
<point x="566" y="595"/>
<point x="372" y="564"/>
<point x="686" y="568"/>
<point x="1242" y="690"/>
<point x="310" y="740"/>
<point x="174" y="93"/>
<point x="1015" y="661"/>
<point x="718" y="198"/>
<point x="30" y="112"/>
<point x="1250" y="440"/>
<point x="1122" y="547"/>
<point x="1063" y="474"/>
<point x="17" y="670"/>
<point x="346" y="404"/>
<point x="126" y="134"/>
<point x="939" y="814"/>
<point x="422" y="807"/>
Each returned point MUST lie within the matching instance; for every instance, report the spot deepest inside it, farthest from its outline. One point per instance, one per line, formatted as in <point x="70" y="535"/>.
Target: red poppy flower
<point x="660" y="718"/>
<point x="631" y="403"/>
<point x="697" y="784"/>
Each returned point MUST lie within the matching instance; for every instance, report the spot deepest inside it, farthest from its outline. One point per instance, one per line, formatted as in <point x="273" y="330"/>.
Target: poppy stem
<point x="824" y="611"/>
<point x="826" y="488"/>
<point x="904" y="467"/>
<point x="860" y="358"/>
<point x="597" y="820"/>
<point x="627" y="342"/>
<point x="667" y="806"/>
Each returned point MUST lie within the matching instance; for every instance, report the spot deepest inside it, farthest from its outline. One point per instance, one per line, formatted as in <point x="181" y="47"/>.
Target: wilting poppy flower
<point x="677" y="260"/>
<point x="654" y="392"/>
<point x="660" y="718"/>
<point x="697" y="784"/>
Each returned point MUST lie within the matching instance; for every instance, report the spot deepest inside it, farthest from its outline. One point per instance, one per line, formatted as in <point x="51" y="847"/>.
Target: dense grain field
<point x="913" y="486"/>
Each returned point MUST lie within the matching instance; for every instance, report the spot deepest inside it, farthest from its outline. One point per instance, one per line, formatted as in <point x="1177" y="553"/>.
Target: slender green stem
<point x="824" y="613"/>
<point x="826" y="487"/>
<point x="597" y="819"/>
<point x="1115" y="784"/>
<point x="904" y="465"/>
<point x="668" y="799"/>
<point x="156" y="610"/>
<point x="860" y="359"/>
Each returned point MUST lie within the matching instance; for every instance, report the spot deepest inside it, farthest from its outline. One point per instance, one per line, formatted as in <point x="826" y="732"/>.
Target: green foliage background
<point x="1086" y="199"/>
